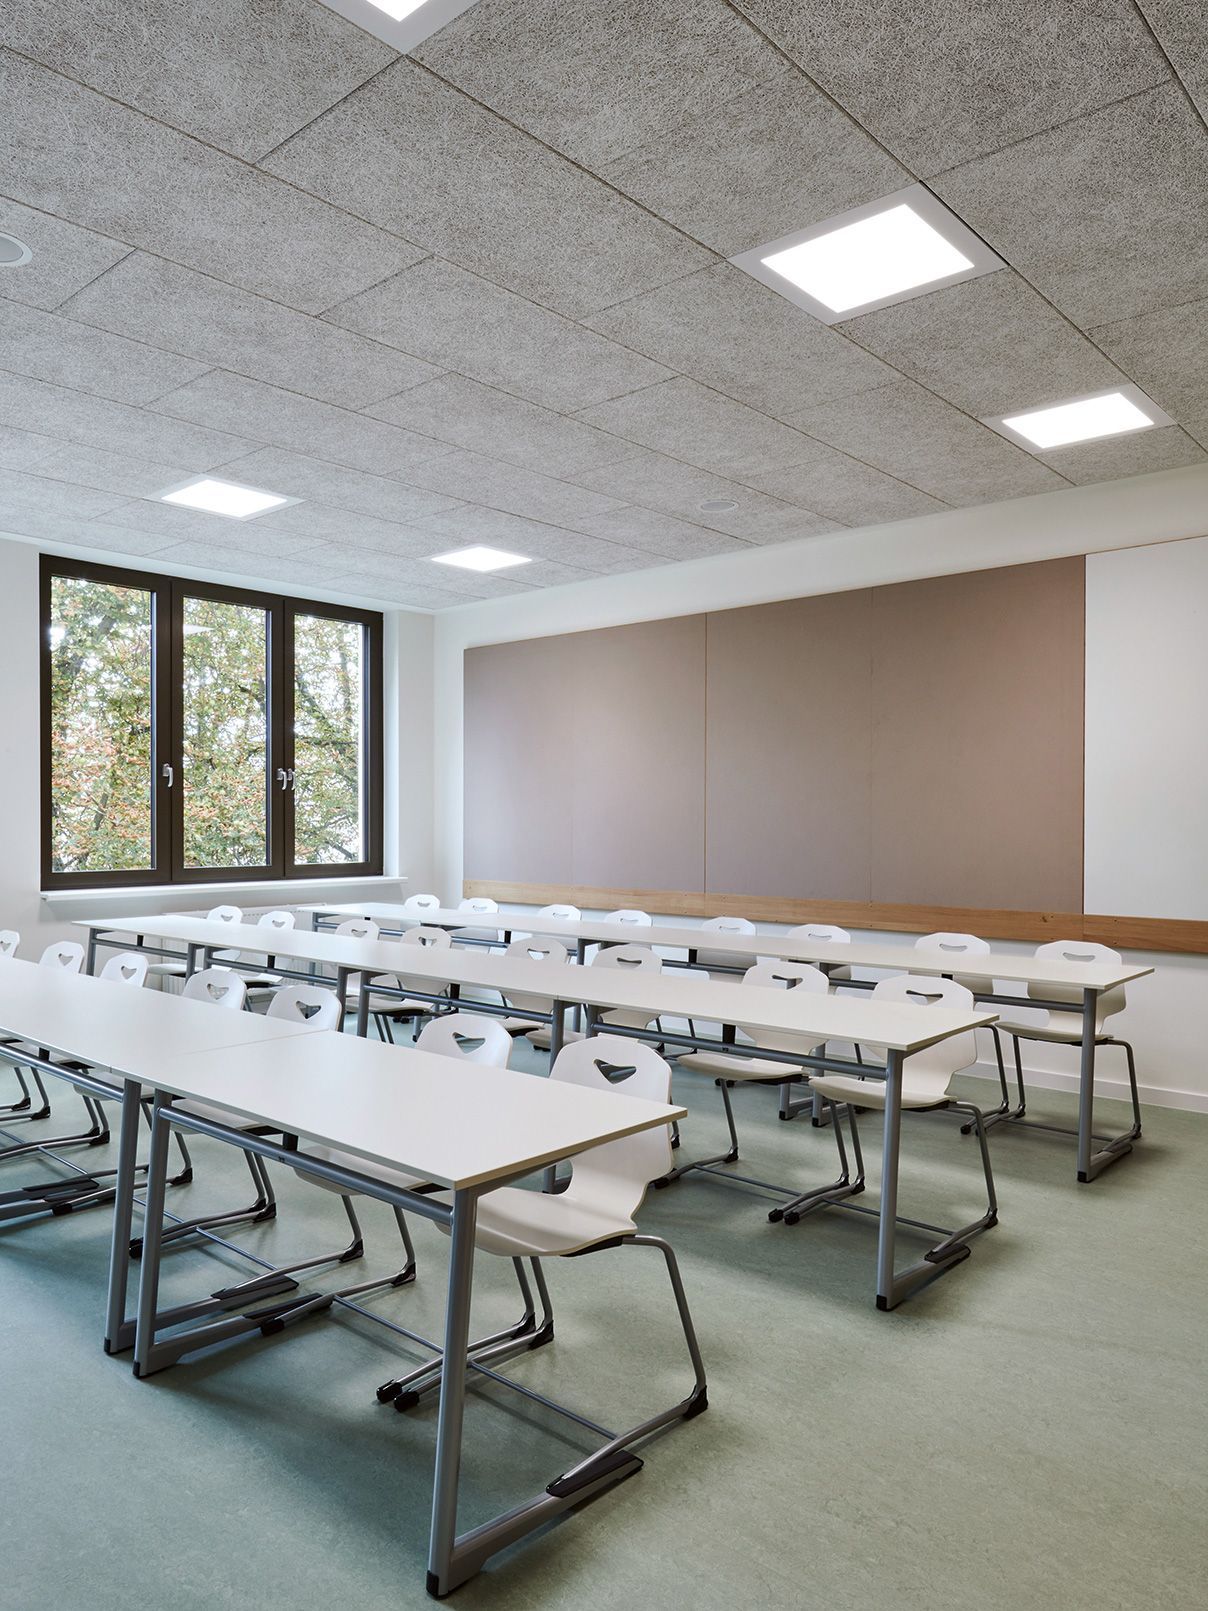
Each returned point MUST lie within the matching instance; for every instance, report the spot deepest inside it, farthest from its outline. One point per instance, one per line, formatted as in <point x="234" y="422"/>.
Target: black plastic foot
<point x="388" y="1392"/>
<point x="699" y="1404"/>
<point x="406" y="1401"/>
<point x="775" y="1216"/>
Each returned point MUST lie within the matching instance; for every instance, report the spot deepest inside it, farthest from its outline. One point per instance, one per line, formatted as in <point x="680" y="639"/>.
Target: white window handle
<point x="168" y="775"/>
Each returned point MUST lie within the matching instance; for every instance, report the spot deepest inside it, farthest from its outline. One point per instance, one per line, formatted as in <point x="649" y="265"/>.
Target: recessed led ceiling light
<point x="13" y="253"/>
<point x="1086" y="419"/>
<point x="401" y="23"/>
<point x="480" y="558"/>
<point x="228" y="498"/>
<point x="717" y="506"/>
<point x="886" y="251"/>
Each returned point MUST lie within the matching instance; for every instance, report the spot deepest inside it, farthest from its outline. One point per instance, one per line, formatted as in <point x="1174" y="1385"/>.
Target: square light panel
<point x="887" y="251"/>
<point x="229" y="498"/>
<point x="1086" y="419"/>
<point x="401" y="23"/>
<point x="480" y="558"/>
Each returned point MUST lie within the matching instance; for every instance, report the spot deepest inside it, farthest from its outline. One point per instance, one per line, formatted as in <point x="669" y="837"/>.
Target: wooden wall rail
<point x="1124" y="933"/>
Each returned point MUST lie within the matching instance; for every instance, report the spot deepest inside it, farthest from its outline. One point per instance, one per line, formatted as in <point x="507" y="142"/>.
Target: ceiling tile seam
<point x="100" y="275"/>
<point x="396" y="55"/>
<point x="1175" y="74"/>
<point x="207" y="145"/>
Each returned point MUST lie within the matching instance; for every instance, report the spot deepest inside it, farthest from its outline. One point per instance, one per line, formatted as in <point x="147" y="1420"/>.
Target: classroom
<point x="603" y="873"/>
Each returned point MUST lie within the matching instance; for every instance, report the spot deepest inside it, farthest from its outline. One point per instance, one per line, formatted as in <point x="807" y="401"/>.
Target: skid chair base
<point x="951" y="1250"/>
<point x="264" y="1208"/>
<point x="24" y="1109"/>
<point x="405" y="1392"/>
<point x="713" y="1165"/>
<point x="97" y="1134"/>
<point x="1111" y="1148"/>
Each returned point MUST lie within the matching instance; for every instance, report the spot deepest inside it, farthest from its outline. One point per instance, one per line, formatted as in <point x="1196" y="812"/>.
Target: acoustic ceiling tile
<point x="421" y="159"/>
<point x="749" y="171"/>
<point x="1166" y="354"/>
<point x="51" y="347"/>
<point x="473" y="478"/>
<point x="251" y="540"/>
<point x="1138" y="453"/>
<point x="96" y="536"/>
<point x="119" y="473"/>
<point x="280" y="65"/>
<point x="939" y="81"/>
<point x="297" y="476"/>
<point x="255" y="563"/>
<point x="65" y="256"/>
<point x="908" y="433"/>
<point x="1179" y="25"/>
<point x="663" y="535"/>
<point x="23" y="493"/>
<point x="94" y="162"/>
<point x="1106" y="216"/>
<point x="988" y="346"/>
<point x="842" y="489"/>
<point x="531" y="538"/>
<point x="150" y="300"/>
<point x="21" y="450"/>
<point x="466" y="323"/>
<point x="724" y="328"/>
<point x="319" y="523"/>
<point x="455" y="409"/>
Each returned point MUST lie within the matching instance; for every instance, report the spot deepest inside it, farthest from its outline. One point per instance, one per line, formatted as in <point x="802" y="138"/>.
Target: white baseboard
<point x="1157" y="1096"/>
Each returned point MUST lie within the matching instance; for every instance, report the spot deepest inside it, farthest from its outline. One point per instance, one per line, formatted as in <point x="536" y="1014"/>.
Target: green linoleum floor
<point x="1029" y="1432"/>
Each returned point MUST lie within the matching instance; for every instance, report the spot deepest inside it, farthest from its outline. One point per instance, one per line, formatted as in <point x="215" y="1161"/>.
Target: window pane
<point x="224" y="738"/>
<point x="101" y="705"/>
<point x="328" y="741"/>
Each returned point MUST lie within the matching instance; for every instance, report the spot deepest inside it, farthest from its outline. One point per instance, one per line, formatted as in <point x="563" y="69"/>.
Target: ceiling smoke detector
<point x="13" y="253"/>
<point x="717" y="506"/>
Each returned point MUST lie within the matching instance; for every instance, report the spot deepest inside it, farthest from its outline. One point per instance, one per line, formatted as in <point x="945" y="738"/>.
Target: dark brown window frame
<point x="167" y="596"/>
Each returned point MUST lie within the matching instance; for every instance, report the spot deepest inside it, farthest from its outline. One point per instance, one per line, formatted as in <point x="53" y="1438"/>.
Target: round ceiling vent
<point x="717" y="506"/>
<point x="13" y="253"/>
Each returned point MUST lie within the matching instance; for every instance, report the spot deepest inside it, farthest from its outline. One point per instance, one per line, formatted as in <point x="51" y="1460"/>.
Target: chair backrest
<point x="822" y="932"/>
<point x="1109" y="1002"/>
<point x="422" y="903"/>
<point x="9" y="941"/>
<point x="127" y="967"/>
<point x="729" y="925"/>
<point x="561" y="909"/>
<point x="225" y="914"/>
<point x="308" y="1004"/>
<point x="534" y="949"/>
<point x="276" y="920"/>
<point x="425" y="937"/>
<point x="614" y="1177"/>
<point x="628" y="914"/>
<point x="221" y="987"/>
<point x="633" y="959"/>
<point x="956" y="946"/>
<point x="781" y="975"/>
<point x="471" y="1036"/>
<point x="65" y="954"/>
<point x="478" y="903"/>
<point x="730" y="961"/>
<point x="359" y="928"/>
<point x="933" y="1067"/>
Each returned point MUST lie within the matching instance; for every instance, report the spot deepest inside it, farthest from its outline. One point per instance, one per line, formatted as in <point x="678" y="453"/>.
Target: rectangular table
<point x="1091" y="979"/>
<point x="901" y="1029"/>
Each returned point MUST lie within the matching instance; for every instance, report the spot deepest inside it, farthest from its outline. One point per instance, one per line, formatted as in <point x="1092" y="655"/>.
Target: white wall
<point x="1165" y="1013"/>
<point x="408" y="814"/>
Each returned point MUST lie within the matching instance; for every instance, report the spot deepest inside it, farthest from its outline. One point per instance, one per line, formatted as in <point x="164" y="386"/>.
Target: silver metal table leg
<point x="119" y="1330"/>
<point x="442" y="1576"/>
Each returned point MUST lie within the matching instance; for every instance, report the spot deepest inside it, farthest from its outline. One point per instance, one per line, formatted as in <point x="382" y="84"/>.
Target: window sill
<point x="188" y="896"/>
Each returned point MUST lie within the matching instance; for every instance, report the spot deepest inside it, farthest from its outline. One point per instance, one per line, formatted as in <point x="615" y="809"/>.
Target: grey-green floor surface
<point x="1029" y="1432"/>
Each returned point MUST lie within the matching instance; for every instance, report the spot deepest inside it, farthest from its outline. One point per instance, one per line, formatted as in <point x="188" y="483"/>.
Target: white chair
<point x="9" y="941"/>
<point x="258" y="984"/>
<point x="65" y="954"/>
<point x="422" y="903"/>
<point x="826" y="934"/>
<point x="926" y="1088"/>
<point x="728" y="1068"/>
<point x="126" y="967"/>
<point x="629" y="914"/>
<point x="1063" y="1026"/>
<point x="356" y="928"/>
<point x="533" y="949"/>
<point x="956" y="945"/>
<point x="631" y="958"/>
<point x="216" y="914"/>
<point x="312" y="1004"/>
<point x="558" y="909"/>
<point x="472" y="936"/>
<point x="727" y="962"/>
<point x="597" y="1211"/>
<point x="386" y="1011"/>
<point x="69" y="955"/>
<point x="473" y="1037"/>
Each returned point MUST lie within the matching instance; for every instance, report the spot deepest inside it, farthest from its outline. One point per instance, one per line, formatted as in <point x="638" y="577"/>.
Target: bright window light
<point x="480" y="558"/>
<point x="877" y="257"/>
<point x="1109" y="415"/>
<point x="397" y="9"/>
<point x="224" y="498"/>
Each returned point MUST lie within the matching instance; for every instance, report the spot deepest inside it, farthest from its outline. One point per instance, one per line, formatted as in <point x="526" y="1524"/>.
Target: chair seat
<point x="739" y="1068"/>
<point x="392" y="1005"/>
<point x="362" y="1166"/>
<point x="522" y="1026"/>
<point x="871" y="1093"/>
<point x="1063" y="1028"/>
<point x="532" y="1224"/>
<point x="539" y="1035"/>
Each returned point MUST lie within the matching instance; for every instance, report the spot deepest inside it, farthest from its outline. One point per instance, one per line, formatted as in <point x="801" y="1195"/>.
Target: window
<point x="193" y="732"/>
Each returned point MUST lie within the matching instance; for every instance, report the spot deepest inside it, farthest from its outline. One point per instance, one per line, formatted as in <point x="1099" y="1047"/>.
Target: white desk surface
<point x="856" y="954"/>
<point x="459" y="1124"/>
<point x="116" y="1027"/>
<point x="675" y="993"/>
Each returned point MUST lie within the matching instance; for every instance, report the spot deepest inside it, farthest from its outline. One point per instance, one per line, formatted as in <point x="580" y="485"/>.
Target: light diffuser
<point x="480" y="558"/>
<point x="1083" y="419"/>
<point x="229" y="498"/>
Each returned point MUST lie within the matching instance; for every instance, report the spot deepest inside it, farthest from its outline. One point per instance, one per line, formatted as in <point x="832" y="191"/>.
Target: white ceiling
<point x="480" y="294"/>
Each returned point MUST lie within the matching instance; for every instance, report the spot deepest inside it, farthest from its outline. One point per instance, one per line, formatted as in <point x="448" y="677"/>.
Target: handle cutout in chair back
<point x="217" y="992"/>
<point x="469" y="1043"/>
<point x="127" y="971"/>
<point x="629" y="962"/>
<point x="788" y="980"/>
<point x="949" y="945"/>
<point x="1078" y="956"/>
<point x="925" y="998"/>
<point x="614" y="1073"/>
<point x="63" y="958"/>
<point x="307" y="1009"/>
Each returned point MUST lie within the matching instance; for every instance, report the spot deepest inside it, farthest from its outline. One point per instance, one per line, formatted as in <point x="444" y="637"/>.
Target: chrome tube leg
<point x="363" y="1006"/>
<point x="451" y="1414"/>
<point x="698" y="1400"/>
<point x="148" y="1285"/>
<point x="1023" y="1095"/>
<point x="116" y="1328"/>
<point x="557" y="1027"/>
<point x="1132" y="1085"/>
<point x="887" y="1229"/>
<point x="90" y="960"/>
<point x="1086" y="1087"/>
<point x="1003" y="1110"/>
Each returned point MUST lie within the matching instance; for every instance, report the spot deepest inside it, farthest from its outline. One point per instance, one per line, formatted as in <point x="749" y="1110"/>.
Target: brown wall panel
<point x="977" y="739"/>
<point x="788" y="708"/>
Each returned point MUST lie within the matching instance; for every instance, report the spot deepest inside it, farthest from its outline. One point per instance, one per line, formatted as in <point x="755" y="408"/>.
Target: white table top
<point x="459" y="1124"/>
<point x="855" y="954"/>
<point x="116" y="1027"/>
<point x="675" y="993"/>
